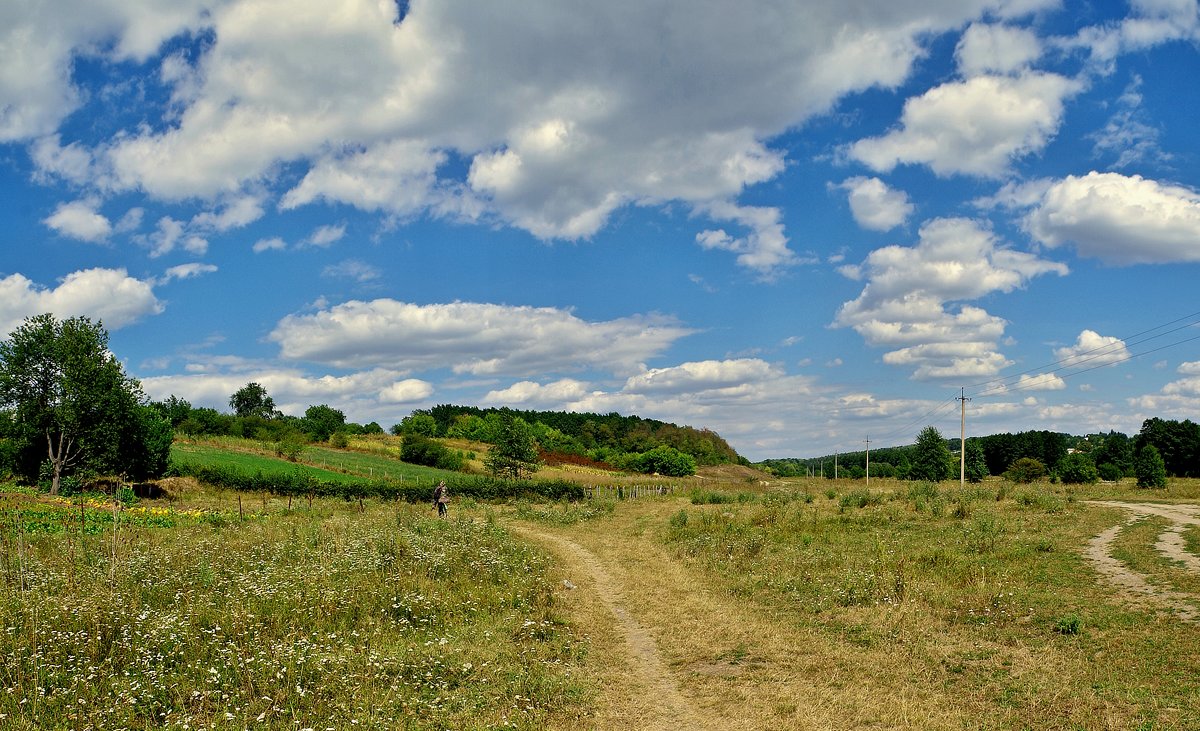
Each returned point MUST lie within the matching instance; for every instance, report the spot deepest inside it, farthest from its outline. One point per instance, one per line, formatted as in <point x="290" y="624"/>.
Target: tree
<point x="1149" y="466"/>
<point x="931" y="457"/>
<point x="1025" y="469"/>
<point x="320" y="422"/>
<point x="976" y="464"/>
<point x="1077" y="468"/>
<point x="666" y="460"/>
<point x="514" y="454"/>
<point x="1115" y="450"/>
<point x="252" y="400"/>
<point x="418" y="423"/>
<point x="73" y="407"/>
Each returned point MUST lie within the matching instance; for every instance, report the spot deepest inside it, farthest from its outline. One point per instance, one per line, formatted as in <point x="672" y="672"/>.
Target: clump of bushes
<point x="422" y="450"/>
<point x="1025" y="470"/>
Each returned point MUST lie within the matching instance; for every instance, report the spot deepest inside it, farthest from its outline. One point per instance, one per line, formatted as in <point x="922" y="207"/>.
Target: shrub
<point x="1070" y="624"/>
<point x="1077" y="469"/>
<point x="666" y="460"/>
<point x="1109" y="472"/>
<point x="338" y="440"/>
<point x="1025" y="470"/>
<point x="422" y="450"/>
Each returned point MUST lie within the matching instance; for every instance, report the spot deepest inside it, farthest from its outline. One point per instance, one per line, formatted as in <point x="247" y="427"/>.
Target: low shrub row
<point x="299" y="484"/>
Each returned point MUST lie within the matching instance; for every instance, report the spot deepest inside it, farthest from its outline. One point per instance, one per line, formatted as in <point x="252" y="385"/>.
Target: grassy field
<point x="792" y="605"/>
<point x="326" y="618"/>
<point x="323" y="463"/>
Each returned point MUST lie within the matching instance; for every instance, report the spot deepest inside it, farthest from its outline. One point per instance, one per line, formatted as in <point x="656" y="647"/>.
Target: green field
<point x="322" y="463"/>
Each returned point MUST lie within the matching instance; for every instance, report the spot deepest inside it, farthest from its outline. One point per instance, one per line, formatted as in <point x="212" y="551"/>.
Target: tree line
<point x="1162" y="448"/>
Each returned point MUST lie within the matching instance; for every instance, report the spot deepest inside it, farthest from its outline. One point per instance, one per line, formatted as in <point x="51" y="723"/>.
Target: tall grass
<point x="323" y="619"/>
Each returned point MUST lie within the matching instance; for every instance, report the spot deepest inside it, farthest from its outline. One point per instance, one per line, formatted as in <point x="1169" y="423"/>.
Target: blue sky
<point x="798" y="224"/>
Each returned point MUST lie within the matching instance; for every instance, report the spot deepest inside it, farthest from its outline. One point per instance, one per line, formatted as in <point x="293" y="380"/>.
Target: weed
<point x="1070" y="624"/>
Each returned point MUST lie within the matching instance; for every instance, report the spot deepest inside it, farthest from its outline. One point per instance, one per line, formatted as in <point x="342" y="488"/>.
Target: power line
<point x="1000" y="385"/>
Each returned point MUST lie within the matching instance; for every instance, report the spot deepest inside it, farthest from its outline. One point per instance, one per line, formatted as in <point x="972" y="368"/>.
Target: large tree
<point x="72" y="406"/>
<point x="252" y="400"/>
<point x="931" y="457"/>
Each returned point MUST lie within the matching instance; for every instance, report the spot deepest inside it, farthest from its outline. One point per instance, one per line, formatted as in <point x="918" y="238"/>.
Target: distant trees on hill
<point x="1108" y="456"/>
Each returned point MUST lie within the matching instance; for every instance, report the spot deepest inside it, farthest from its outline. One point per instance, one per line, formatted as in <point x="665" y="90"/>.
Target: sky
<point x="801" y="225"/>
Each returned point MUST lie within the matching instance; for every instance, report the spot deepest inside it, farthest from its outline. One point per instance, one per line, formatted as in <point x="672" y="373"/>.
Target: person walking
<point x="440" y="498"/>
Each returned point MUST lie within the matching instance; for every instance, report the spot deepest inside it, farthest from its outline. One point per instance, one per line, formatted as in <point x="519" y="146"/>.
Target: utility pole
<point x="835" y="457"/>
<point x="962" y="439"/>
<point x="868" y="440"/>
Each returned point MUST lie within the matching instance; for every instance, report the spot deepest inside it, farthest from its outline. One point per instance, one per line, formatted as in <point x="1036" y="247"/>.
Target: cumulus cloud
<point x="1040" y="382"/>
<point x="904" y="302"/>
<point x="474" y="338"/>
<point x="365" y="103"/>
<point x="1119" y="219"/>
<point x="370" y="393"/>
<point x="990" y="48"/>
<point x="109" y="295"/>
<point x="1093" y="349"/>
<point x="874" y="205"/>
<point x="974" y="127"/>
<point x="80" y="220"/>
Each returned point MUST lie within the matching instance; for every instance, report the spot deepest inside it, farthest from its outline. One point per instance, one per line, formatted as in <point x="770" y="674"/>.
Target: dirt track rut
<point x="1169" y="544"/>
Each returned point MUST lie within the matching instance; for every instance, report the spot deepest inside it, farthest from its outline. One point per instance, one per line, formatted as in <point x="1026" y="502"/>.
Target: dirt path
<point x="672" y="651"/>
<point x="1169" y="544"/>
<point x="646" y="674"/>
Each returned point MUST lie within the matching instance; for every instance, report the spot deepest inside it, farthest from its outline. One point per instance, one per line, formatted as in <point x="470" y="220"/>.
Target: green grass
<point x="327" y="618"/>
<point x="323" y="463"/>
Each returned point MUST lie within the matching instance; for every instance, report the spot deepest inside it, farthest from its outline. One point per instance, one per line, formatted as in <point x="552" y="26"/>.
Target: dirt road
<point x="1170" y="544"/>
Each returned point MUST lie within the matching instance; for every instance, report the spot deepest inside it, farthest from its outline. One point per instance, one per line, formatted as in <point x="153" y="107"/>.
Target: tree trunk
<point x="59" y="458"/>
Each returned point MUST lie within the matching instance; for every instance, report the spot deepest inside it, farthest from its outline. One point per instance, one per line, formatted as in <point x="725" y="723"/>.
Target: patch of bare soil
<point x="1170" y="544"/>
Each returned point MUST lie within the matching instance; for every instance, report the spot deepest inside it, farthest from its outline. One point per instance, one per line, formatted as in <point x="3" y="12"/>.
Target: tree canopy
<point x="73" y="409"/>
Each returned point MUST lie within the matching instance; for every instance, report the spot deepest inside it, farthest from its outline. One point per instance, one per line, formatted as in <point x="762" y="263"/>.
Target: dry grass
<point x="777" y="613"/>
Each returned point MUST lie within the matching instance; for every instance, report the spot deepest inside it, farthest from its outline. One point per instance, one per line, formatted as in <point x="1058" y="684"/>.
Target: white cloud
<point x="1119" y="219"/>
<point x="188" y="271"/>
<point x="904" y="303"/>
<point x="763" y="249"/>
<point x="1093" y="349"/>
<point x="1190" y="369"/>
<point x="40" y="42"/>
<point x="473" y="338"/>
<point x="170" y="234"/>
<point x="614" y="109"/>
<point x="72" y="163"/>
<point x="1002" y="49"/>
<point x="369" y="394"/>
<point x="109" y="295"/>
<point x="407" y="391"/>
<point x="80" y="220"/>
<point x="235" y="213"/>
<point x="1129" y="134"/>
<point x="874" y="205"/>
<point x="706" y="375"/>
<point x="1040" y="382"/>
<point x="272" y="244"/>
<point x="973" y="127"/>
<point x="359" y="271"/>
<point x="325" y="236"/>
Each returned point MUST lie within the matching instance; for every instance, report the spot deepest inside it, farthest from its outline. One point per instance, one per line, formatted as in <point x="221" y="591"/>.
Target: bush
<point x="422" y="450"/>
<point x="667" y="461"/>
<point x="1109" y="472"/>
<point x="1025" y="470"/>
<point x="1077" y="469"/>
